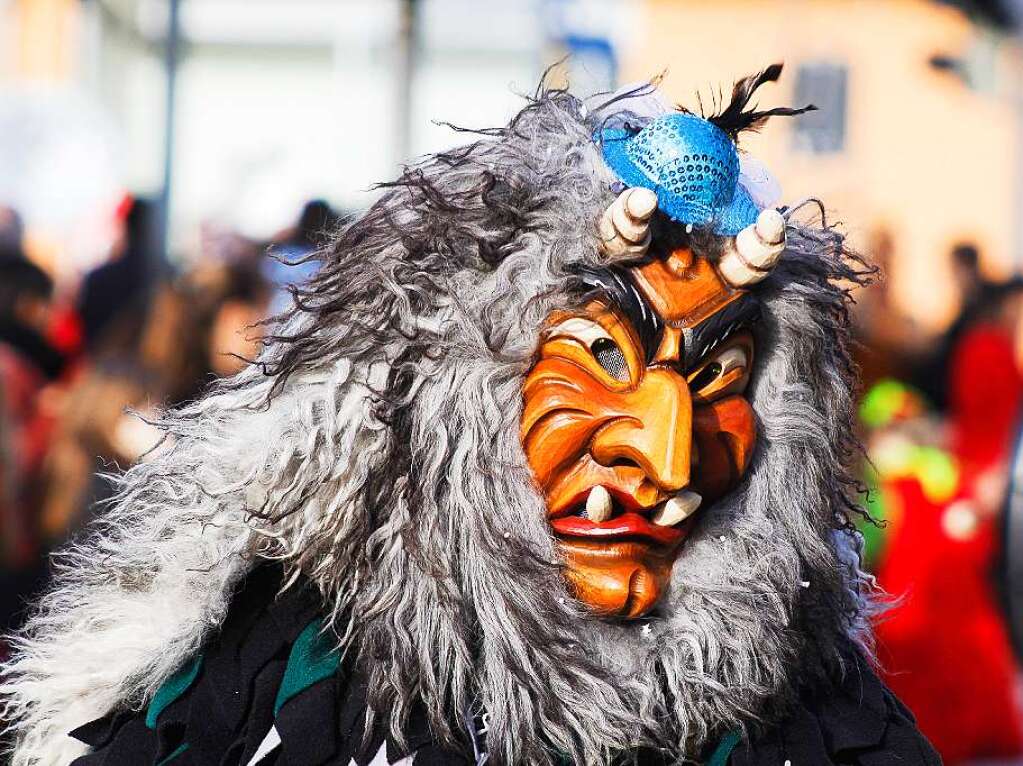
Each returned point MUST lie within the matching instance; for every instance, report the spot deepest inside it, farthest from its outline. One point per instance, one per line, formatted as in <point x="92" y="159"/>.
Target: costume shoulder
<point x="856" y="722"/>
<point x="267" y="689"/>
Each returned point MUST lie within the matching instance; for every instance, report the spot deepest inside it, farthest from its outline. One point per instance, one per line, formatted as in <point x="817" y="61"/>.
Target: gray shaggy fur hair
<point x="374" y="449"/>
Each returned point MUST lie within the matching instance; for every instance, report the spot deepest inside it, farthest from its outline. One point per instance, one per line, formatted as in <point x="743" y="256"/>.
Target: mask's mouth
<point x="605" y="514"/>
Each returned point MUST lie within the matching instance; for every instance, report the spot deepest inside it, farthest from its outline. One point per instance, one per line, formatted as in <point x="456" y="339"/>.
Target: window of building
<point x="823" y="84"/>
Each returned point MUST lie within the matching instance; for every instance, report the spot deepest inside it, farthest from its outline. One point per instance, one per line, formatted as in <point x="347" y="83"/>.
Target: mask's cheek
<point x="725" y="433"/>
<point x="562" y="408"/>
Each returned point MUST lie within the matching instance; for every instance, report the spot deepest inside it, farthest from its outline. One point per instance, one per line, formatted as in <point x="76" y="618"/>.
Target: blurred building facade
<point x="918" y="134"/>
<point x="279" y="102"/>
<point x="917" y="140"/>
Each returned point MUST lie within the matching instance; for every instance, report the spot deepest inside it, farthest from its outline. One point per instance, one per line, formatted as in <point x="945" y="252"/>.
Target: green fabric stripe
<point x="724" y="749"/>
<point x="312" y="659"/>
<point x="172" y="688"/>
<point x="180" y="749"/>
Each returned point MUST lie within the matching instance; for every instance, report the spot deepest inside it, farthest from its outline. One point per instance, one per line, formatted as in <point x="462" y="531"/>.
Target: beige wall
<point x="925" y="157"/>
<point x="40" y="38"/>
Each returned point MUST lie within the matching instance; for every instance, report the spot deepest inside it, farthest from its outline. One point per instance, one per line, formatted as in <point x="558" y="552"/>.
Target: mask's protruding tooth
<point x="678" y="508"/>
<point x="598" y="505"/>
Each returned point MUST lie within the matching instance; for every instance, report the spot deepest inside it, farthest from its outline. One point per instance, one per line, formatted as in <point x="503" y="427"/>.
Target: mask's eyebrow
<point x="614" y="285"/>
<point x="708" y="334"/>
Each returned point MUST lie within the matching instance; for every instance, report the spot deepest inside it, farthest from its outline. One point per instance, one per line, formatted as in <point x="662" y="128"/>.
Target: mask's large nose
<point x="654" y="431"/>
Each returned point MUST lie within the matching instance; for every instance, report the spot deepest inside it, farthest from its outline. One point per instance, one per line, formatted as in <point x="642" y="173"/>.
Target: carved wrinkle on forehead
<point x="617" y="287"/>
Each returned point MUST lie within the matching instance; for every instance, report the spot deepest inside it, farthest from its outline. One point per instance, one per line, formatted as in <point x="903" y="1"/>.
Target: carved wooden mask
<point x="634" y="418"/>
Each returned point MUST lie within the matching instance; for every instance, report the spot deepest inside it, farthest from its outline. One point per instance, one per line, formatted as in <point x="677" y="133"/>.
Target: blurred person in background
<point x="1010" y="561"/>
<point x="290" y="262"/>
<point x="903" y="438"/>
<point x="198" y="327"/>
<point x="947" y="640"/>
<point x="981" y="301"/>
<point x="28" y="366"/>
<point x="26" y="295"/>
<point x="11" y="233"/>
<point x="125" y="279"/>
<point x="890" y="343"/>
<point x="234" y="330"/>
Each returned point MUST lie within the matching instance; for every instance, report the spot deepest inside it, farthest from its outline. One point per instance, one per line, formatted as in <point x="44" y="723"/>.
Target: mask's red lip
<point x="626" y="526"/>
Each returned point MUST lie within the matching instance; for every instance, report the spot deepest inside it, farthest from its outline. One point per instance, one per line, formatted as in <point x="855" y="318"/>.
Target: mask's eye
<point x="607" y="353"/>
<point x="705" y="377"/>
<point x="611" y="358"/>
<point x="724" y="373"/>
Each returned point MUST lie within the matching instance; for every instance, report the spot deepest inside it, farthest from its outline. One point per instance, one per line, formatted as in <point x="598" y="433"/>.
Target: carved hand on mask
<point x="635" y="418"/>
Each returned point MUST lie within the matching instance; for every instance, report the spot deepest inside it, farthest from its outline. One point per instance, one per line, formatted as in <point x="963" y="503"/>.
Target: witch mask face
<point x="635" y="419"/>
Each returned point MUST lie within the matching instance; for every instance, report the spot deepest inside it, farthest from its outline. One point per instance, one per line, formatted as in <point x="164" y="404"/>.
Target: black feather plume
<point x="735" y="117"/>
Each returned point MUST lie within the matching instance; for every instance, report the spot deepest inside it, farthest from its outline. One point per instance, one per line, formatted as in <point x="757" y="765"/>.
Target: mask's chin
<point x="623" y="580"/>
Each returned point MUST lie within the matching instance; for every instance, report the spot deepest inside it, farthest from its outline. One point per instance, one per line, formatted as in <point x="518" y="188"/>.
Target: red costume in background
<point x="945" y="649"/>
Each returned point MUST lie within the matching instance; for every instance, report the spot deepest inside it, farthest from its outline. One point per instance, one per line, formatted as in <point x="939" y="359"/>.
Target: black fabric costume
<point x="270" y="665"/>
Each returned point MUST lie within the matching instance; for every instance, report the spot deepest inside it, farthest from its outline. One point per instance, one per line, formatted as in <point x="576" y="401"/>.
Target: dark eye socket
<point x="611" y="358"/>
<point x="705" y="377"/>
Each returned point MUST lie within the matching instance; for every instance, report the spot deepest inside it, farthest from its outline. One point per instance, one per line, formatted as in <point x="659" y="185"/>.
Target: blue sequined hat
<point x="690" y="164"/>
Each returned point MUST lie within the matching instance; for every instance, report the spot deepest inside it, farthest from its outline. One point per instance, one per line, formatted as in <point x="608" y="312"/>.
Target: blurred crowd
<point x="940" y="423"/>
<point x="84" y="367"/>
